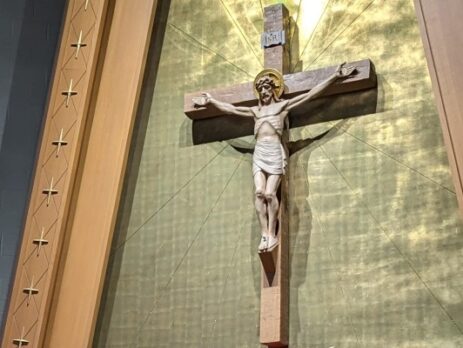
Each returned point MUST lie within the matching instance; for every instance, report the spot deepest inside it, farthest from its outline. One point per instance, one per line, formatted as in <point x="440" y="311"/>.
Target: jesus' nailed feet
<point x="268" y="243"/>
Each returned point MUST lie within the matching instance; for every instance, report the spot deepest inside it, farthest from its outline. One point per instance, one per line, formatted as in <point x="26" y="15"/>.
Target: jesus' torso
<point x="269" y="121"/>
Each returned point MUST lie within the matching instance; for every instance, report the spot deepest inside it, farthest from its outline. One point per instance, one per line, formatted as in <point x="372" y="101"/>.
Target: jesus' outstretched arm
<point x="228" y="108"/>
<point x="341" y="72"/>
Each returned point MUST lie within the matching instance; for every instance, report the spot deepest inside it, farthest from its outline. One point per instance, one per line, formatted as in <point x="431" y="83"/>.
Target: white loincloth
<point x="269" y="157"/>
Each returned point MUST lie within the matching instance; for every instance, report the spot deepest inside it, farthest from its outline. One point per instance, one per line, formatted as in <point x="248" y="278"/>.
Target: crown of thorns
<point x="265" y="80"/>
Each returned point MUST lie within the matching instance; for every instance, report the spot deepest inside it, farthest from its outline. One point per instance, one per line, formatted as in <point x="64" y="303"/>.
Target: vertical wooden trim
<point x="55" y="174"/>
<point x="441" y="28"/>
<point x="83" y="267"/>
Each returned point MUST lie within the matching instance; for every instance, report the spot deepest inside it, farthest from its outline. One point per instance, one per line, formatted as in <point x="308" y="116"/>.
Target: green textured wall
<point x="376" y="238"/>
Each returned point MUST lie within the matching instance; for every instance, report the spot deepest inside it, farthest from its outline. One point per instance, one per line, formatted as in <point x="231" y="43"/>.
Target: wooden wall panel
<point x="97" y="198"/>
<point x="441" y="27"/>
<point x="55" y="173"/>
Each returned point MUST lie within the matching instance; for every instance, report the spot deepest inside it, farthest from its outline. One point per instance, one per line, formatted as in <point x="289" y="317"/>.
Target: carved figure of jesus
<point x="270" y="154"/>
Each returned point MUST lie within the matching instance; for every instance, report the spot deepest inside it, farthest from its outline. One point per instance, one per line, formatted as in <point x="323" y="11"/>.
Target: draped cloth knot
<point x="269" y="157"/>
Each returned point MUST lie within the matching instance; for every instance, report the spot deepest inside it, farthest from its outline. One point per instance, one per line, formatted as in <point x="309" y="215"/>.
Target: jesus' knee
<point x="260" y="196"/>
<point x="260" y="204"/>
<point x="271" y="198"/>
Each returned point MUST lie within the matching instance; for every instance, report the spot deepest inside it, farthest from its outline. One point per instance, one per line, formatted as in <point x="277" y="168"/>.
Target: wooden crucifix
<point x="349" y="90"/>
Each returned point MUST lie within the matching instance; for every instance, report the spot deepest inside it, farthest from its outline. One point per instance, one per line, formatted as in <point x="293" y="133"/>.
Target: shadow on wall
<point x="299" y="208"/>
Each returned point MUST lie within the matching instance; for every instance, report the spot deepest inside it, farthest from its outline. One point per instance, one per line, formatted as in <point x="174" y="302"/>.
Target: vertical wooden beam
<point x="55" y="174"/>
<point x="97" y="197"/>
<point x="276" y="20"/>
<point x="274" y="302"/>
<point x="441" y="27"/>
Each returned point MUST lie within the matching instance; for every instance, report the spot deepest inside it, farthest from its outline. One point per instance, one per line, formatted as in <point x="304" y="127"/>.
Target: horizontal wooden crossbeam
<point x="295" y="84"/>
<point x="352" y="97"/>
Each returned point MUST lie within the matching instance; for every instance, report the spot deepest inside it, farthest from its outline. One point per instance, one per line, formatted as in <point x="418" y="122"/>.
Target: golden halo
<point x="277" y="78"/>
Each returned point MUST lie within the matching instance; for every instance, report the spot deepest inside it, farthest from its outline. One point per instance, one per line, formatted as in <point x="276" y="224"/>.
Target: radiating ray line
<point x="345" y="297"/>
<point x="314" y="30"/>
<point x="339" y="34"/>
<point x="394" y="159"/>
<point x="206" y="48"/>
<point x="228" y="274"/>
<point x="400" y="162"/>
<point x="170" y="199"/>
<point x="261" y="7"/>
<point x="396" y="247"/>
<point x="347" y="300"/>
<point x="240" y="30"/>
<point x="165" y="287"/>
<point x="316" y="216"/>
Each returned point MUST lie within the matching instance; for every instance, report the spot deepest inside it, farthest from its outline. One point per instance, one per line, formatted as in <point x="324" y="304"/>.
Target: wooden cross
<point x="40" y="241"/>
<point x="354" y="96"/>
<point x="50" y="192"/>
<point x="69" y="93"/>
<point x="30" y="291"/>
<point x="79" y="43"/>
<point x="21" y="341"/>
<point x="60" y="142"/>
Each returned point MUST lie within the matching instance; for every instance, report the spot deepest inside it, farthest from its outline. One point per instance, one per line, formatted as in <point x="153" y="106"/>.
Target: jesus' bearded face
<point x="265" y="93"/>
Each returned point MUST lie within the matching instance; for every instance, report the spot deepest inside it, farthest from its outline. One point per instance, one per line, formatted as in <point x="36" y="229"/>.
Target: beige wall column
<point x="441" y="27"/>
<point x="55" y="173"/>
<point x="85" y="258"/>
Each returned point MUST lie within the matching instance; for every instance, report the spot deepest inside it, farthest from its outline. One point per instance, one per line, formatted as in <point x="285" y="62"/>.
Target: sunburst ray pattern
<point x="374" y="229"/>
